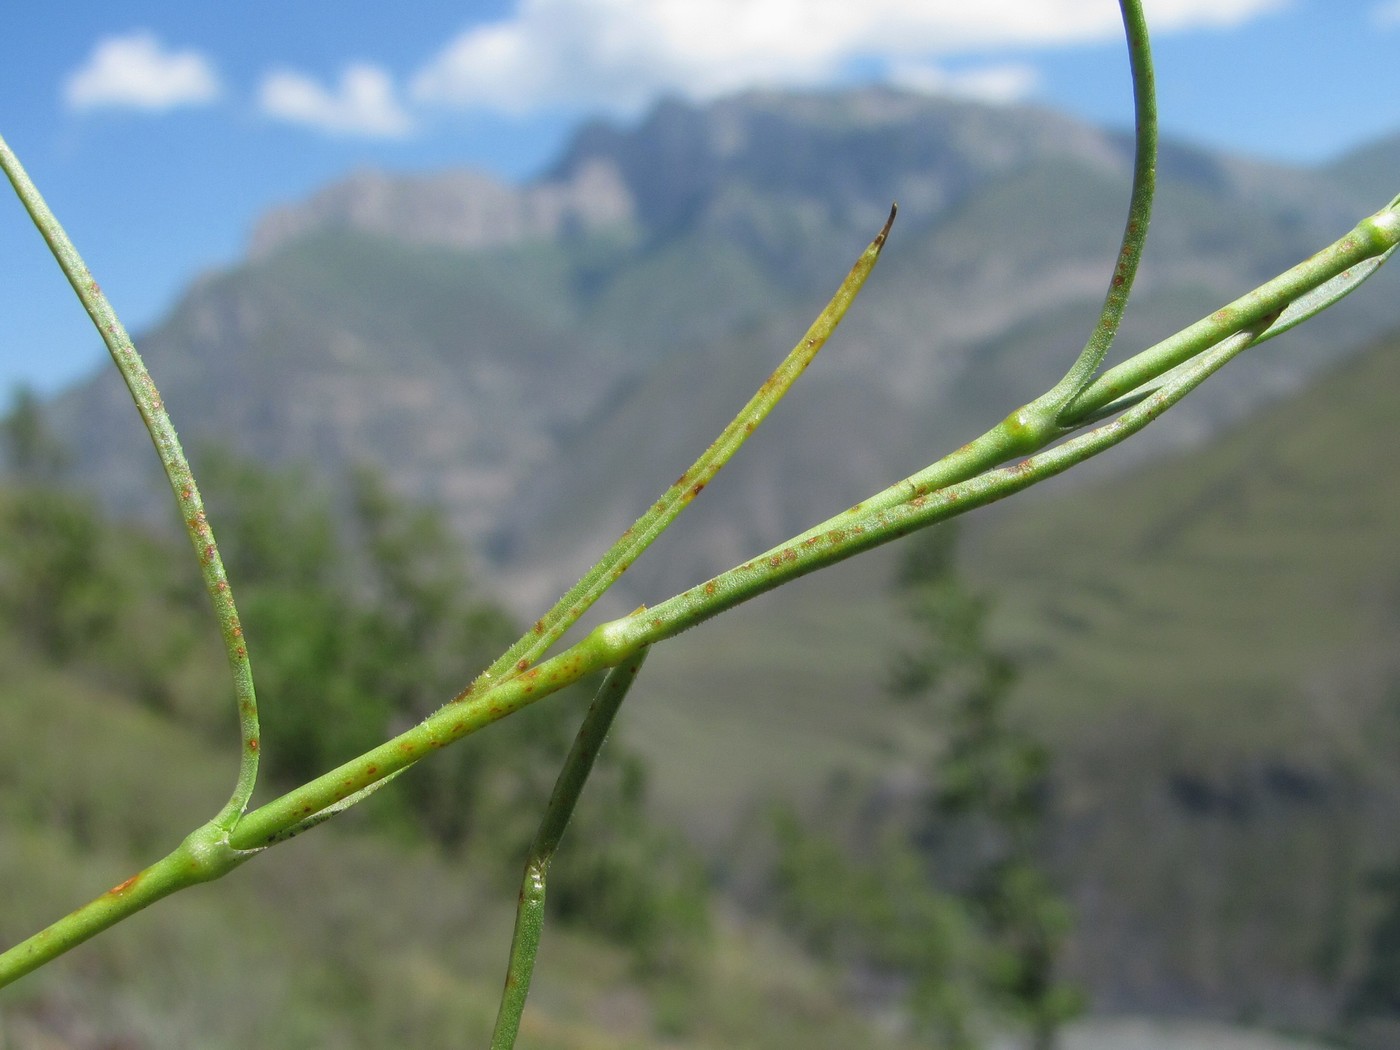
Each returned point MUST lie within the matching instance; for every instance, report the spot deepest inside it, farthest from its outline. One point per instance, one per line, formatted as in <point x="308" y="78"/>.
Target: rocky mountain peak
<point x="840" y="149"/>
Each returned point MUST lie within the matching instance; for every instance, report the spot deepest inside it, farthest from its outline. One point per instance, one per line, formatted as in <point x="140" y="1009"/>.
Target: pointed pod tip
<point x="885" y="230"/>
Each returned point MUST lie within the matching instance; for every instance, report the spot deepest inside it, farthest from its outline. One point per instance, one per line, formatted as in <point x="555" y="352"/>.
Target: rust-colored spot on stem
<point x="122" y="887"/>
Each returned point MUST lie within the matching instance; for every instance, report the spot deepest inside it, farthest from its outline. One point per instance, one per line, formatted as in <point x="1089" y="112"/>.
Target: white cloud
<point x="618" y="54"/>
<point x="364" y="103"/>
<point x="1009" y="82"/>
<point x="135" y="71"/>
<point x="1387" y="14"/>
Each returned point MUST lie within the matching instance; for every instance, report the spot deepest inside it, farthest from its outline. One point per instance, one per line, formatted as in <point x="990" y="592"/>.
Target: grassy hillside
<point x="1208" y="648"/>
<point x="1213" y="652"/>
<point x="1262" y="567"/>
<point x="348" y="937"/>
<point x="1208" y="654"/>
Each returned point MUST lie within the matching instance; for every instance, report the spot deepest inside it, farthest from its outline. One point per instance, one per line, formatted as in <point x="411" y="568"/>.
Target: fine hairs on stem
<point x="1088" y="411"/>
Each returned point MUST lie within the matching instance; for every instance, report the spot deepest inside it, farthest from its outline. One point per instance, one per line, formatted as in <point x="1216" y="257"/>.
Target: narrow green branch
<point x="1337" y="269"/>
<point x="177" y="471"/>
<point x="605" y="572"/>
<point x="799" y="557"/>
<point x="457" y="719"/>
<point x="947" y="487"/>
<point x="529" y="915"/>
<point x="1313" y="302"/>
<point x="1349" y="260"/>
<point x="203" y="856"/>
<point x="1037" y="424"/>
<point x="1139" y="215"/>
<point x="321" y="816"/>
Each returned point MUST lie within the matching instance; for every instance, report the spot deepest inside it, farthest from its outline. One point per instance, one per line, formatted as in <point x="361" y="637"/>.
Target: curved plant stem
<point x="529" y="914"/>
<point x="1120" y="285"/>
<point x="1306" y="288"/>
<point x="177" y="471"/>
<point x="1047" y="417"/>
<point x="1339" y="268"/>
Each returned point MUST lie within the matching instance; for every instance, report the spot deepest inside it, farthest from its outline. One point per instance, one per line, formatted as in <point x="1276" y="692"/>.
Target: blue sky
<point x="160" y="130"/>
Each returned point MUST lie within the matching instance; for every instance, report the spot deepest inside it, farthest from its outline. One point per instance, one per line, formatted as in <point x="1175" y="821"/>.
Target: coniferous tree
<point x="31" y="452"/>
<point x="985" y="815"/>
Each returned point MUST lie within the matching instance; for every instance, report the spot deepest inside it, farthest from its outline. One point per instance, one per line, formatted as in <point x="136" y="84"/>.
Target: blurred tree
<point x="56" y="587"/>
<point x="984" y="820"/>
<point x="31" y="453"/>
<point x="96" y="597"/>
<point x="1376" y="992"/>
<point x="881" y="913"/>
<point x="948" y="892"/>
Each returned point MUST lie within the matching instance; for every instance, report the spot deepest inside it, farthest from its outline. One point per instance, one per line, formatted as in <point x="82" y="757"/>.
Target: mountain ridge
<point x="462" y="209"/>
<point x="481" y="353"/>
<point x="607" y="172"/>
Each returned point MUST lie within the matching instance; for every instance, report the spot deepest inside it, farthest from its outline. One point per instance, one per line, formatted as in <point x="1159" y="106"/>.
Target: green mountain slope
<point x="1214" y="650"/>
<point x="1268" y="556"/>
<point x="500" y="378"/>
<point x="1209" y="650"/>
<point x="346" y="938"/>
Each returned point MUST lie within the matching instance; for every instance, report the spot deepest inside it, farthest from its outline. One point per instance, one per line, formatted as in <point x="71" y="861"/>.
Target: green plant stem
<point x="1144" y="189"/>
<point x="795" y="559"/>
<point x="915" y="503"/>
<point x="457" y="719"/>
<point x="1031" y="428"/>
<point x="1313" y="302"/>
<point x="1043" y="420"/>
<point x="177" y="471"/>
<point x="605" y="572"/>
<point x="203" y="856"/>
<point x="911" y="504"/>
<point x="529" y="914"/>
<point x="1374" y="238"/>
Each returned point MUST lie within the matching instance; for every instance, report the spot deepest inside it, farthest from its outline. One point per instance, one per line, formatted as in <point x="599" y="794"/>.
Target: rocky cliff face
<point x="850" y="154"/>
<point x="462" y="210"/>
